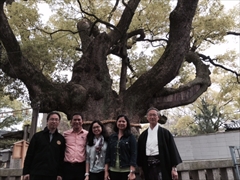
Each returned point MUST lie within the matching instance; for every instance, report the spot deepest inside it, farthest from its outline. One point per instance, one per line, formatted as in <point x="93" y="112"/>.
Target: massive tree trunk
<point x="90" y="89"/>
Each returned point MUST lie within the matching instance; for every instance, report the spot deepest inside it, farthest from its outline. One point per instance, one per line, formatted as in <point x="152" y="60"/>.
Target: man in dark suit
<point x="45" y="154"/>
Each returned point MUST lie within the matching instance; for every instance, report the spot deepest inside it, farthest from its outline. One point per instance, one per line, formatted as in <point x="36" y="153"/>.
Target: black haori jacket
<point x="168" y="153"/>
<point x="45" y="158"/>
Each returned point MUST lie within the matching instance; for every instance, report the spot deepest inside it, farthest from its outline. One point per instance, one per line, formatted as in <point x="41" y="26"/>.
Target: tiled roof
<point x="233" y="125"/>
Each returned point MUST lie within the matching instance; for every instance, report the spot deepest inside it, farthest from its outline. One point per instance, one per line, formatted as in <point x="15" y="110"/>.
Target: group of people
<point x="79" y="154"/>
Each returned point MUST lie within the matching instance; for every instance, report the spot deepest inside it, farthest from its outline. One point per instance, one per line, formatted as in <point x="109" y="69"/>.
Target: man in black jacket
<point x="45" y="154"/>
<point x="157" y="153"/>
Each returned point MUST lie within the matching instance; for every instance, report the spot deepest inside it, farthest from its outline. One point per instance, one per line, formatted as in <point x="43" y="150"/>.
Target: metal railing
<point x="235" y="153"/>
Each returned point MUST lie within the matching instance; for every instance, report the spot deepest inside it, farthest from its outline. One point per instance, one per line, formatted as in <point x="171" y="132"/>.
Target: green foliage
<point x="152" y="16"/>
<point x="44" y="49"/>
<point x="15" y="115"/>
<point x="216" y="106"/>
<point x="8" y="121"/>
<point x="7" y="143"/>
<point x="208" y="118"/>
<point x="185" y="126"/>
<point x="210" y="24"/>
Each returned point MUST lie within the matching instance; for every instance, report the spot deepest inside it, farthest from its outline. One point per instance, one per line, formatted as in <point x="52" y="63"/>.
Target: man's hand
<point x="86" y="177"/>
<point x="59" y="178"/>
<point x="141" y="173"/>
<point x="174" y="174"/>
<point x="131" y="176"/>
<point x="26" y="177"/>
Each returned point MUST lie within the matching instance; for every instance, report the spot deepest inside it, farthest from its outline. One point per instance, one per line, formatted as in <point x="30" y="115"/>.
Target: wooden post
<point x="25" y="132"/>
<point x="24" y="150"/>
<point x="35" y="112"/>
<point x="44" y="120"/>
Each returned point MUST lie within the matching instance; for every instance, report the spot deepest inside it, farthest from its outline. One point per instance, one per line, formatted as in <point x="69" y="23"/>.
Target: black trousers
<point x="118" y="175"/>
<point x="74" y="171"/>
<point x="33" y="177"/>
<point x="154" y="168"/>
<point x="155" y="173"/>
<point x="96" y="176"/>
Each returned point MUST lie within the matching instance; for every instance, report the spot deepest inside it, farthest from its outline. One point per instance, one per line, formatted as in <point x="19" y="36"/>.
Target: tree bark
<point x="90" y="89"/>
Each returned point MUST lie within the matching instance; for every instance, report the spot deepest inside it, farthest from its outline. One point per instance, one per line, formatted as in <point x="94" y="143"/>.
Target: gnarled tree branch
<point x="208" y="59"/>
<point x="189" y="92"/>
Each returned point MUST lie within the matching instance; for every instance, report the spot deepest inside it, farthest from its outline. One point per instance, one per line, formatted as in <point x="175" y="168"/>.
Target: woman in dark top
<point x="121" y="153"/>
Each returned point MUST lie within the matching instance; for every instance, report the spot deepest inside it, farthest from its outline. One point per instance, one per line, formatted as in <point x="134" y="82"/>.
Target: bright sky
<point x="233" y="41"/>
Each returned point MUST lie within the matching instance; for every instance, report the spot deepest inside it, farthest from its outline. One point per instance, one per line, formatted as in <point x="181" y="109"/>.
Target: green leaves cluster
<point x="52" y="46"/>
<point x="16" y="113"/>
<point x="208" y="118"/>
<point x="208" y="114"/>
<point x="6" y="144"/>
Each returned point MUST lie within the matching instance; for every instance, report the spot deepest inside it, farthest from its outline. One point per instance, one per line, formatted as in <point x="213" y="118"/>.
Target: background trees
<point x="209" y="113"/>
<point x="90" y="38"/>
<point x="12" y="112"/>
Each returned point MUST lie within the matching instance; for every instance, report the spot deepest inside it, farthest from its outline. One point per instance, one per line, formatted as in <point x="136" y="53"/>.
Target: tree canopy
<point x="91" y="37"/>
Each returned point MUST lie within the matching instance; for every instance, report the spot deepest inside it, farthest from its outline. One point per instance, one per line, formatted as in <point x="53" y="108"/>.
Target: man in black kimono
<point x="157" y="152"/>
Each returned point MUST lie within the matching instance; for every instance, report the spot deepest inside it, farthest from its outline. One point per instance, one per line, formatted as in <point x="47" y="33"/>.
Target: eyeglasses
<point x="77" y="119"/>
<point x="96" y="127"/>
<point x="153" y="115"/>
<point x="53" y="119"/>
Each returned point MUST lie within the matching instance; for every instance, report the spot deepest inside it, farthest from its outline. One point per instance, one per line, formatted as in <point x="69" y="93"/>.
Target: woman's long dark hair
<point x="90" y="135"/>
<point x="126" y="131"/>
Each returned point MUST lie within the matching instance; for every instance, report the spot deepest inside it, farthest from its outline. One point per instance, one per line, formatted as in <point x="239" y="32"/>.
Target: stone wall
<point x="207" y="147"/>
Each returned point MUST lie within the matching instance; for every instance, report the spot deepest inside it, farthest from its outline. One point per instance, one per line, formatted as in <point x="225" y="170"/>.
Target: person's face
<point x="96" y="129"/>
<point x="121" y="123"/>
<point x="53" y="122"/>
<point x="76" y="122"/>
<point x="152" y="117"/>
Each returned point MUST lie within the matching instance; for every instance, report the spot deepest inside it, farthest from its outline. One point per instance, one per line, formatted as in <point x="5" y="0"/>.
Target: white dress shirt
<point x="152" y="142"/>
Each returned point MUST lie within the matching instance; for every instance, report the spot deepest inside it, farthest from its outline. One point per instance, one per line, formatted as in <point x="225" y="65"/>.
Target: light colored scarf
<point x="98" y="143"/>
